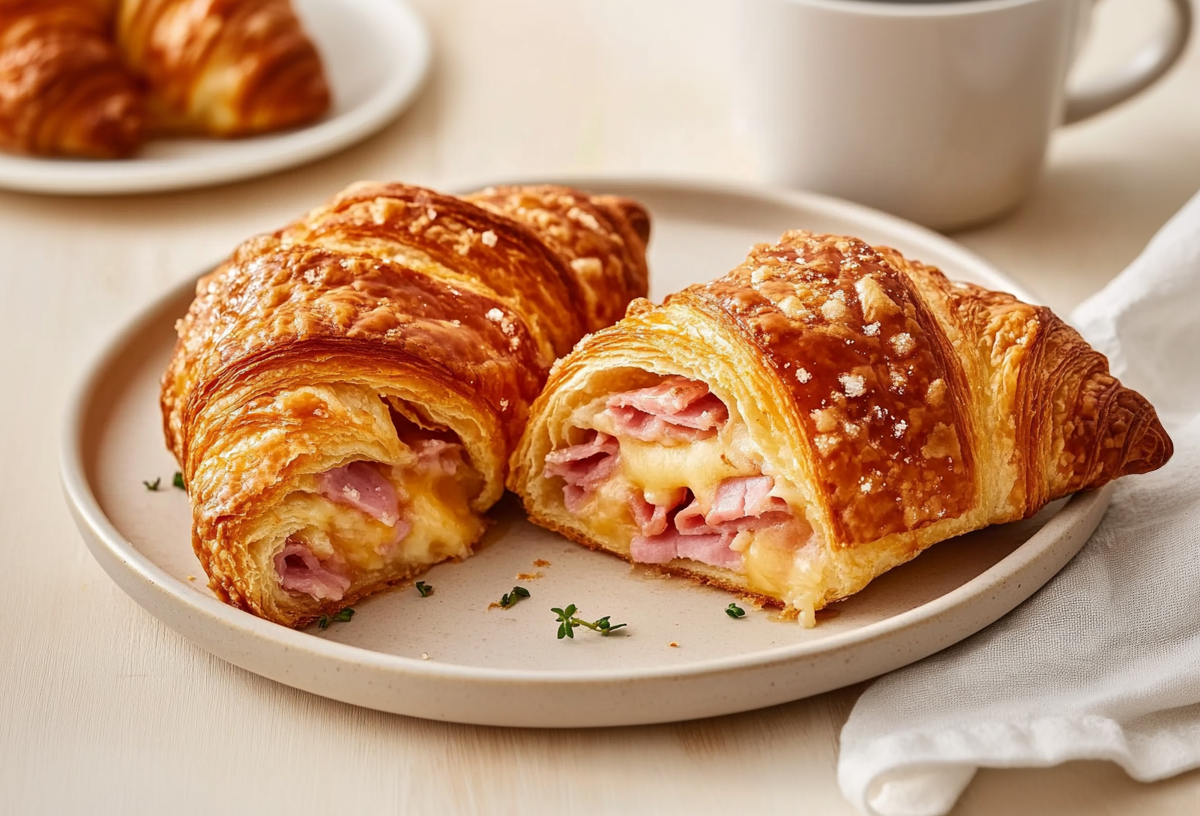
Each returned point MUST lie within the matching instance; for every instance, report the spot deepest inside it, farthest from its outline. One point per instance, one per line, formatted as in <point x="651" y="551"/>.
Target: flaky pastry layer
<point x="886" y="408"/>
<point x="368" y="370"/>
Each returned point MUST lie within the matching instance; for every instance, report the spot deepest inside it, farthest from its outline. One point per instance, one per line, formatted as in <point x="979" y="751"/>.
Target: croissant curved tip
<point x="1149" y="447"/>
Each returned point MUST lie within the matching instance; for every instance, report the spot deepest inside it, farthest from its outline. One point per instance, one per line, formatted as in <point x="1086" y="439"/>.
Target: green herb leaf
<point x="510" y="599"/>
<point x="341" y="617"/>
<point x="424" y="588"/>
<point x="153" y="486"/>
<point x="734" y="611"/>
<point x="567" y="621"/>
<point x="178" y="481"/>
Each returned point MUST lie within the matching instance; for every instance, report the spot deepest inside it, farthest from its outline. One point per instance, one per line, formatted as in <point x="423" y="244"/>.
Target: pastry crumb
<point x="191" y="577"/>
<point x="673" y="644"/>
<point x="529" y="576"/>
<point x="494" y="605"/>
<point x="541" y="562"/>
<point x="424" y="655"/>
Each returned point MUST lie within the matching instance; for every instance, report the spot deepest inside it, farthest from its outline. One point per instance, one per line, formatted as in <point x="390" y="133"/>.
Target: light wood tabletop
<point x="105" y="710"/>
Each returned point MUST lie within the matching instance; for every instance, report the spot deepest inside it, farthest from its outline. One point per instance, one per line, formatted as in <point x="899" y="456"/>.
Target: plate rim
<point x="291" y="148"/>
<point x="114" y="549"/>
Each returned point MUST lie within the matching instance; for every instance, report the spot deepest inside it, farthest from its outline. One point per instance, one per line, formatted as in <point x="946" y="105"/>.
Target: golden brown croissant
<point x="346" y="392"/>
<point x="223" y="67"/>
<point x="63" y="87"/>
<point x="819" y="415"/>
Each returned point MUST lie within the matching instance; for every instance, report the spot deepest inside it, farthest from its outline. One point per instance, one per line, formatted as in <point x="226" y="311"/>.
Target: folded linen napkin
<point x="1104" y="661"/>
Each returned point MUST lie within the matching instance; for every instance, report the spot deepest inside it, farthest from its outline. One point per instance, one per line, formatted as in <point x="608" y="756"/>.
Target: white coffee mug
<point x="939" y="112"/>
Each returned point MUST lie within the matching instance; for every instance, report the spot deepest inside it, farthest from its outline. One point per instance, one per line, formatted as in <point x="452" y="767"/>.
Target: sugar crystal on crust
<point x="853" y="384"/>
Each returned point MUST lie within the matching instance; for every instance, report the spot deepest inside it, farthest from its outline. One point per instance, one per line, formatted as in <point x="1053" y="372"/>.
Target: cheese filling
<point x="351" y="528"/>
<point x="702" y="498"/>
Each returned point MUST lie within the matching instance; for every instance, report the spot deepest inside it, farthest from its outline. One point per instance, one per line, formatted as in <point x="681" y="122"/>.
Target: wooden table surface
<point x="105" y="710"/>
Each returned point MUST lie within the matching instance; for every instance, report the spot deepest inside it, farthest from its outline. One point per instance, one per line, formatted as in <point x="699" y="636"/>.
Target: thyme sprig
<point x="341" y="617"/>
<point x="567" y="623"/>
<point x="734" y="611"/>
<point x="425" y="589"/>
<point x="178" y="481"/>
<point x="510" y="599"/>
<point x="154" y="486"/>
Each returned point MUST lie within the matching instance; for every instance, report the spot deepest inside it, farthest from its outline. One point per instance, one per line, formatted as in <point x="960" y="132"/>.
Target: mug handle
<point x="1142" y="71"/>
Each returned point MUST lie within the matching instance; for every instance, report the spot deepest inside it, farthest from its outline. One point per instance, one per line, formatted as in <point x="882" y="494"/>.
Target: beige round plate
<point x="376" y="55"/>
<point x="448" y="657"/>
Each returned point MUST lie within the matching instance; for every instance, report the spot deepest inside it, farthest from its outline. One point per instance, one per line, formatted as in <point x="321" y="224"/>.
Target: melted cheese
<point x="444" y="525"/>
<point x="784" y="562"/>
<point x="608" y="513"/>
<point x="660" y="471"/>
<point x="434" y="503"/>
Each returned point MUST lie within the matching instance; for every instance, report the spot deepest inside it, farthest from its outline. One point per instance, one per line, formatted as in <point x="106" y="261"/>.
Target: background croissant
<point x="819" y="415"/>
<point x="346" y="392"/>
<point x="223" y="67"/>
<point x="63" y="87"/>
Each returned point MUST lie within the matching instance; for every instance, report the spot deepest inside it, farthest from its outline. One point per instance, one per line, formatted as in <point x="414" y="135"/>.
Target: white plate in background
<point x="506" y="667"/>
<point x="376" y="55"/>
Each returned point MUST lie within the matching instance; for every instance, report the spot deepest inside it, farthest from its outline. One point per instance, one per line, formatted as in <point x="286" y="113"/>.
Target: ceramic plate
<point x="376" y="55"/>
<point x="449" y="656"/>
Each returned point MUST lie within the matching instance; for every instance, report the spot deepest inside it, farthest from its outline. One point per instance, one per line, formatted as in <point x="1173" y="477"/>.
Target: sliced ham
<point x="747" y="503"/>
<point x="300" y="570"/>
<point x="652" y="519"/>
<point x="439" y="455"/>
<point x="362" y="486"/>
<point x="658" y="549"/>
<point x="707" y="549"/>
<point x="712" y="550"/>
<point x="690" y="520"/>
<point x="675" y="409"/>
<point x="583" y="467"/>
<point x="741" y="503"/>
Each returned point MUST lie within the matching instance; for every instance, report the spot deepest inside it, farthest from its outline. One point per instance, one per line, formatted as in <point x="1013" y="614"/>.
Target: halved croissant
<point x="346" y="392"/>
<point x="821" y="414"/>
<point x="223" y="67"/>
<point x="63" y="88"/>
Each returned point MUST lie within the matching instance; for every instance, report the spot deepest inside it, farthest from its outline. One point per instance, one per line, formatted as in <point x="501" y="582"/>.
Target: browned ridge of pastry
<point x="223" y="67"/>
<point x="819" y="415"/>
<point x="611" y="276"/>
<point x="345" y="393"/>
<point x="63" y="88"/>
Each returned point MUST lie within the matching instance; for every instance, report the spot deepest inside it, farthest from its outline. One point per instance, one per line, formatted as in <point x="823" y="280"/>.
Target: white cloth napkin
<point x="1104" y="661"/>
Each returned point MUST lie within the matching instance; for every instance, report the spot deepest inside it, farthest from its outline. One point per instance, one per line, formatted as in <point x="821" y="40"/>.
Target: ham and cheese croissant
<point x="63" y="88"/>
<point x="223" y="67"/>
<point x="819" y="415"/>
<point x="346" y="392"/>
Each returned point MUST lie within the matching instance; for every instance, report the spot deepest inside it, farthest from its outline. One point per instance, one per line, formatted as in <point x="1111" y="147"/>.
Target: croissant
<point x="821" y="414"/>
<point x="345" y="393"/>
<point x="63" y="88"/>
<point x="223" y="67"/>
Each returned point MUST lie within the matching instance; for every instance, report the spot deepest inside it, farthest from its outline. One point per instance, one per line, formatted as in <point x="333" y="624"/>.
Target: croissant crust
<point x="392" y="309"/>
<point x="223" y="67"/>
<point x="899" y="407"/>
<point x="63" y="87"/>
